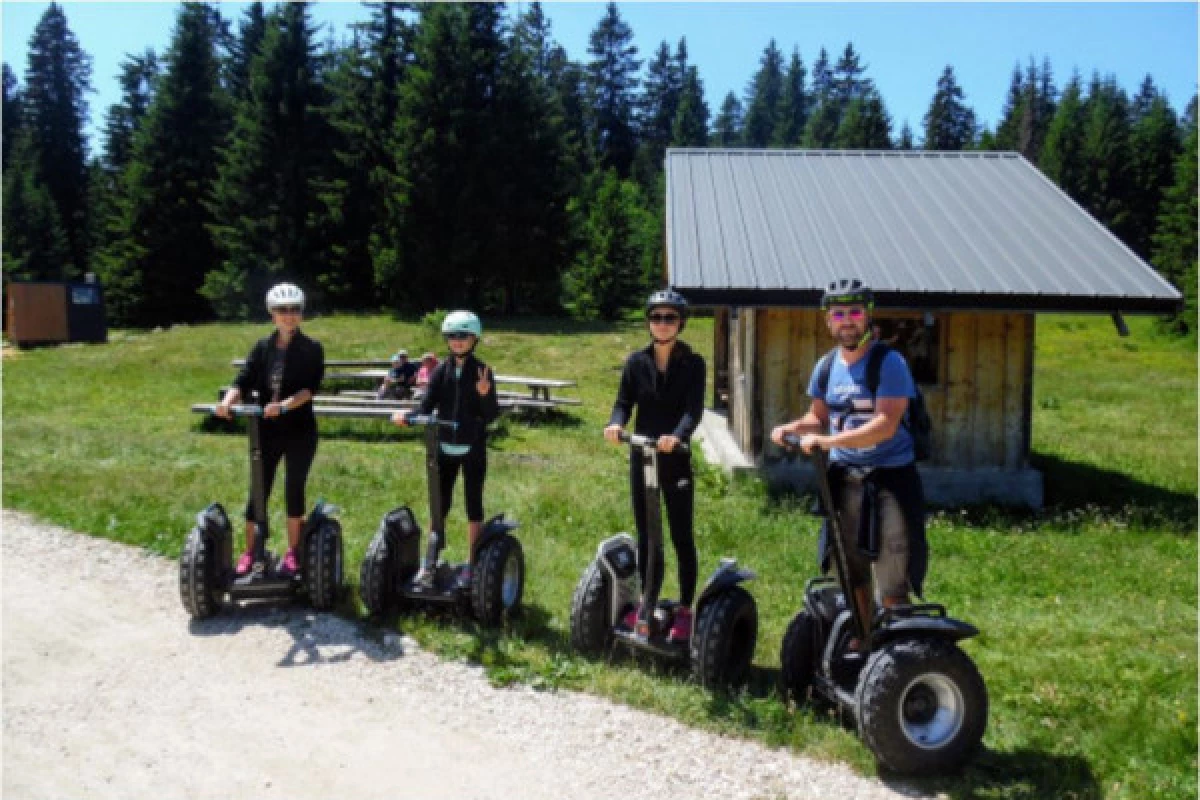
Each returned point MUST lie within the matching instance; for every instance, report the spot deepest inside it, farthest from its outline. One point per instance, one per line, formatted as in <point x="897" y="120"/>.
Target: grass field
<point x="1088" y="610"/>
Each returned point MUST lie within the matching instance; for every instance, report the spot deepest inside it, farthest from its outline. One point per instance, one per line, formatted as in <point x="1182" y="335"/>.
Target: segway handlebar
<point x="430" y="419"/>
<point x="650" y="442"/>
<point x="240" y="410"/>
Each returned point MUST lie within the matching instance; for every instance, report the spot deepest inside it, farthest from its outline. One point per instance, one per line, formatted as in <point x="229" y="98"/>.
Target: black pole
<point x="258" y="498"/>
<point x="861" y="623"/>
<point x="433" y="478"/>
<point x="647" y="455"/>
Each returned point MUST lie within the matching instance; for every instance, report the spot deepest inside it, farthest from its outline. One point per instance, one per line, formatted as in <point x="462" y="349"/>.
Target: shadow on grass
<point x="1074" y="493"/>
<point x="1071" y="485"/>
<point x="317" y="637"/>
<point x="1015" y="776"/>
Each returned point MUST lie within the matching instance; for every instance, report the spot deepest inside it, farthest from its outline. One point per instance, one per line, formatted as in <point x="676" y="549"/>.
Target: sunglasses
<point x="854" y="313"/>
<point x="458" y="336"/>
<point x="663" y="319"/>
<point x="288" y="309"/>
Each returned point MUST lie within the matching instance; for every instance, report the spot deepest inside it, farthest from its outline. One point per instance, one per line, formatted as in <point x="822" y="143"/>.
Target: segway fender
<point x="404" y="540"/>
<point x="726" y="576"/>
<point x="922" y="627"/>
<point x="495" y="527"/>
<point x="617" y="556"/>
<point x="214" y="524"/>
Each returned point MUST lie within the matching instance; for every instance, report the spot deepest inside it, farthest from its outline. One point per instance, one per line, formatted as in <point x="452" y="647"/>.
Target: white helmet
<point x="284" y="294"/>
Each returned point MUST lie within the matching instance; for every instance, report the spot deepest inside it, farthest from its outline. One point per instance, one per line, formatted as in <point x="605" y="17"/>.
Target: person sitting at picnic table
<point x="429" y="363"/>
<point x="400" y="379"/>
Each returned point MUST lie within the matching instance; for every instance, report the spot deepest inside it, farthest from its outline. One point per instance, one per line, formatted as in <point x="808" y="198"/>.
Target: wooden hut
<point x="962" y="249"/>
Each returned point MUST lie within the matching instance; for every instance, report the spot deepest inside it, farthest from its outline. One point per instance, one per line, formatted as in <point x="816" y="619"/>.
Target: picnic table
<point x="374" y="370"/>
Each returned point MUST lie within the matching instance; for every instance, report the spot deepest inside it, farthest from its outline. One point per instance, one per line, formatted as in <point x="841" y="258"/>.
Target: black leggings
<point x="474" y="469"/>
<point x="299" y="450"/>
<point x="678" y="492"/>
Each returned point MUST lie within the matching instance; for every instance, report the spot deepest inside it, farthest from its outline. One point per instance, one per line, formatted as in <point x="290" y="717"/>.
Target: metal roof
<point x="924" y="229"/>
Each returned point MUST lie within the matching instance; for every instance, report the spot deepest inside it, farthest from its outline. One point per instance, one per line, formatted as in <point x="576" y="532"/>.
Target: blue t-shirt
<point x="851" y="406"/>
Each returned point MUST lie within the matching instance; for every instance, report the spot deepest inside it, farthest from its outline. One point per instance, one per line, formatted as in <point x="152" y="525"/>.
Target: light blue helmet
<point x="462" y="322"/>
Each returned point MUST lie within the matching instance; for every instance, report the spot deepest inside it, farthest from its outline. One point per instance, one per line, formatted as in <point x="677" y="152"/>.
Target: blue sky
<point x="904" y="45"/>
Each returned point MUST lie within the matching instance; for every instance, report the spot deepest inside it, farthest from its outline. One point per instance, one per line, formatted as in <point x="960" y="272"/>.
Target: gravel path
<point x="110" y="692"/>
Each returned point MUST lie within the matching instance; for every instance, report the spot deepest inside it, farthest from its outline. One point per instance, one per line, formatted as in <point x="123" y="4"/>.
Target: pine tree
<point x="266" y="202"/>
<point x="826" y="116"/>
<point x="691" y="120"/>
<point x="35" y="245"/>
<point x="612" y="86"/>
<point x="243" y="49"/>
<point x="137" y="77"/>
<point x="1154" y="146"/>
<point x="949" y="123"/>
<point x="1175" y="241"/>
<point x="906" y="138"/>
<point x="532" y="226"/>
<point x="865" y="125"/>
<point x="159" y="245"/>
<point x="1107" y="157"/>
<point x="793" y="106"/>
<point x="1008" y="130"/>
<point x="57" y="80"/>
<point x="727" y="127"/>
<point x="608" y="274"/>
<point x="11" y="116"/>
<point x="656" y="113"/>
<point x="848" y="80"/>
<point x="763" y="98"/>
<point x="1062" y="156"/>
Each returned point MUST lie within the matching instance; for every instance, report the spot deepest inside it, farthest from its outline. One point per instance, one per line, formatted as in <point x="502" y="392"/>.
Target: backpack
<point x="916" y="418"/>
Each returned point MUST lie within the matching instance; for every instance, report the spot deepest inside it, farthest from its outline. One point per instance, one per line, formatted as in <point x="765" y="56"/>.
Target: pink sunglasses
<point x="854" y="313"/>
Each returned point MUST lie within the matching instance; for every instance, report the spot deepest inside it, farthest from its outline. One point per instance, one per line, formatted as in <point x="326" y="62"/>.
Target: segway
<point x="206" y="571"/>
<point x="918" y="700"/>
<point x="725" y="624"/>
<point x="392" y="560"/>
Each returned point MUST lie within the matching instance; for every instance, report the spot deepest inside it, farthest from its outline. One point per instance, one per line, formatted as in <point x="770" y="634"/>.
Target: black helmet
<point x="669" y="298"/>
<point x="846" y="293"/>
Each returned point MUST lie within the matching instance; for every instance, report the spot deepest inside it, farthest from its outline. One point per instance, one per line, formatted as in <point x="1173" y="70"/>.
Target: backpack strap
<point x="824" y="368"/>
<point x="875" y="366"/>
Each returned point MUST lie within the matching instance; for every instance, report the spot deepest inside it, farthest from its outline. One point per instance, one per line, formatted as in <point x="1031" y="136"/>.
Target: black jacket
<point x="459" y="401"/>
<point x="303" y="368"/>
<point x="670" y="403"/>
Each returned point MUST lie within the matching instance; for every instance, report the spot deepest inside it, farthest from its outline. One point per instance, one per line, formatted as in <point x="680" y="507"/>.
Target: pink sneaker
<point x="288" y="566"/>
<point x="631" y="617"/>
<point x="244" y="564"/>
<point x="681" y="627"/>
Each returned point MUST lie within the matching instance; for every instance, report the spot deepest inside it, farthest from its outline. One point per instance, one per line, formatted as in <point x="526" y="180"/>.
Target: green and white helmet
<point x="462" y="322"/>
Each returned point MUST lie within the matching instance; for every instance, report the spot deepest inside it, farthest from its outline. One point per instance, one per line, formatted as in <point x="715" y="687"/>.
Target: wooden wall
<point x="980" y="404"/>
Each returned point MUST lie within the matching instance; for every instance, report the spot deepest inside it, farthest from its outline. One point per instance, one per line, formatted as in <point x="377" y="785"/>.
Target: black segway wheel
<point x="591" y="625"/>
<point x="724" y="638"/>
<point x="375" y="575"/>
<point x="798" y="658"/>
<point x="498" y="580"/>
<point x="198" y="569"/>
<point x="922" y="706"/>
<point x="323" y="565"/>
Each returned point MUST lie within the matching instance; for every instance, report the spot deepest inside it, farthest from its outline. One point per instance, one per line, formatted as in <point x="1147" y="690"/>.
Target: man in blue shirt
<point x="872" y="471"/>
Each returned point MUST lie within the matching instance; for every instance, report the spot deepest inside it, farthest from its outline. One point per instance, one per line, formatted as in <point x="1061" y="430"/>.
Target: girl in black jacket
<point x="665" y="381"/>
<point x="463" y="389"/>
<point x="284" y="370"/>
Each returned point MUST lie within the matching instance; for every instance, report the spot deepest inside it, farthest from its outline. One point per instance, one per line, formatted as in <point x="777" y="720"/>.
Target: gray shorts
<point x="891" y="569"/>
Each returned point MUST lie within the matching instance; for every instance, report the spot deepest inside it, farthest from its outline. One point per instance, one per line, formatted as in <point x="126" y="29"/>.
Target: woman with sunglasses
<point x="284" y="369"/>
<point x="872" y="470"/>
<point x="665" y="381"/>
<point x="462" y="389"/>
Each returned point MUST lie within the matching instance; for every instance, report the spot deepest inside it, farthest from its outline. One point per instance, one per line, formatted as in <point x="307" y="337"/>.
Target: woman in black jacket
<point x="284" y="370"/>
<point x="665" y="381"/>
<point x="462" y="389"/>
